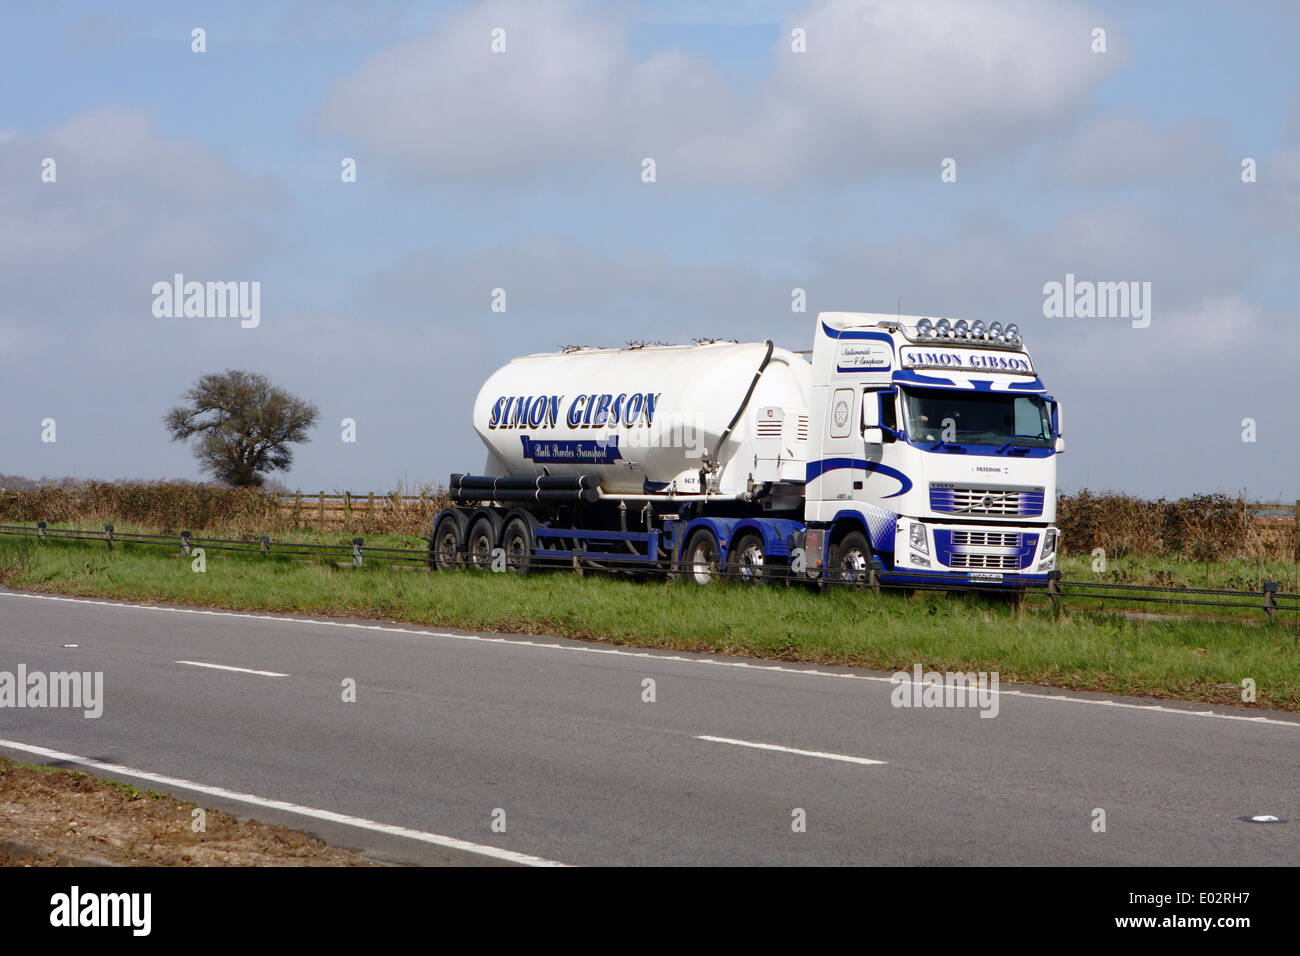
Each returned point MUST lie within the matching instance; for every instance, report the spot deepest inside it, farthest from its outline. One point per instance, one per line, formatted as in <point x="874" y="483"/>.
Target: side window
<point x="1030" y="419"/>
<point x="841" y="412"/>
<point x="889" y="413"/>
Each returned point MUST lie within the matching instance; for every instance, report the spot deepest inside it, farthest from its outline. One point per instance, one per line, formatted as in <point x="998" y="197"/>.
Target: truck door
<point x="841" y="445"/>
<point x="878" y="428"/>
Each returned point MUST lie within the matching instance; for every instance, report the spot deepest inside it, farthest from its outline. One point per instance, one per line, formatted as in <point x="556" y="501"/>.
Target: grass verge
<point x="1189" y="659"/>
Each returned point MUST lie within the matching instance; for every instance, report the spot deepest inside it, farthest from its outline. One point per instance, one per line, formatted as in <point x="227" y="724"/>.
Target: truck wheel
<point x="517" y="541"/>
<point x="446" y="541"/>
<point x="851" y="559"/>
<point x="479" y="543"/>
<point x="700" y="556"/>
<point x="745" y="560"/>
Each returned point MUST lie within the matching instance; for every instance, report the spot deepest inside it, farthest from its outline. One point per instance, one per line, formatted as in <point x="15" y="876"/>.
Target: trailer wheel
<point x="517" y="541"/>
<point x="700" y="556"/>
<point x="851" y="559"/>
<point x="446" y="541"/>
<point x="479" y="543"/>
<point x="746" y="559"/>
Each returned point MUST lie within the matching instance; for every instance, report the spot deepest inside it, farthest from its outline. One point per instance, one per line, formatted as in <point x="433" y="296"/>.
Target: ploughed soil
<point x="53" y="817"/>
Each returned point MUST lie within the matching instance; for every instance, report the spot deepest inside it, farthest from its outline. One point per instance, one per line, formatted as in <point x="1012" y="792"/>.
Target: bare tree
<point x="244" y="425"/>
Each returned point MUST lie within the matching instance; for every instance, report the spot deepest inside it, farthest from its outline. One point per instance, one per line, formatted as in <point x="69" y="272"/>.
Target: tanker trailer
<point x="601" y="453"/>
<point x="910" y="450"/>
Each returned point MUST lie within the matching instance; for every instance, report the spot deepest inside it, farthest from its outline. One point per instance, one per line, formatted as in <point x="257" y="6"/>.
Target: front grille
<point x="1017" y="502"/>
<point x="986" y="539"/>
<point x="997" y="562"/>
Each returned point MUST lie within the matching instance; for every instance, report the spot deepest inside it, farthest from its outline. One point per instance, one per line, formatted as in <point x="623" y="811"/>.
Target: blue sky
<point x="775" y="170"/>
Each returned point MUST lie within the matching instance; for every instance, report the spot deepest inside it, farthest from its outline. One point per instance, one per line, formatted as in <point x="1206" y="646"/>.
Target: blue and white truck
<point x="910" y="450"/>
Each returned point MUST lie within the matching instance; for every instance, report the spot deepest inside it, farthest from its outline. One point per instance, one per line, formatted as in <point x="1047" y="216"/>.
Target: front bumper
<point x="977" y="553"/>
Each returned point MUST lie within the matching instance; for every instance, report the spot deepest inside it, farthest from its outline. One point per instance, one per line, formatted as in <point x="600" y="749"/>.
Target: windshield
<point x="976" y="418"/>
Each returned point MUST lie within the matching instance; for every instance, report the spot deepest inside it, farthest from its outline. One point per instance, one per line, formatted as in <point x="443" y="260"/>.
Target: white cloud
<point x="882" y="83"/>
<point x="129" y="206"/>
<point x="1121" y="148"/>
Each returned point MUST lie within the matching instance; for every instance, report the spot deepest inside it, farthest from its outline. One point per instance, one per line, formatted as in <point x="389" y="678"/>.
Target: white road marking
<point x="787" y="750"/>
<point x="651" y="655"/>
<point x="118" y="770"/>
<point x="227" y="667"/>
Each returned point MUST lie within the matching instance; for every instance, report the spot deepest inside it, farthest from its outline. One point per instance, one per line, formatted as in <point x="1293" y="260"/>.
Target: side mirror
<point x="876" y="436"/>
<point x="1060" y="444"/>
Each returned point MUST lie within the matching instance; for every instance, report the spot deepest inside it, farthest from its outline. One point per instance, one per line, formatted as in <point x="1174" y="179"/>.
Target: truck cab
<point x="932" y="453"/>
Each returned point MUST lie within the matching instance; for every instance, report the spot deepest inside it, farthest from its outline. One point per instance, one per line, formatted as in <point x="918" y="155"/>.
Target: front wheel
<point x="851" y="560"/>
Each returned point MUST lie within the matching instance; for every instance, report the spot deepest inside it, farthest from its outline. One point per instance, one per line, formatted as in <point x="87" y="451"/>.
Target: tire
<point x="700" y="558"/>
<point x="746" y="559"/>
<point x="517" y="542"/>
<point x="480" y="541"/>
<point x="851" y="560"/>
<point x="446" y="542"/>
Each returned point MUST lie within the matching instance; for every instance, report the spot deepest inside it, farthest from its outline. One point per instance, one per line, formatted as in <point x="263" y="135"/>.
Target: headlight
<point x="916" y="537"/>
<point x="1049" y="542"/>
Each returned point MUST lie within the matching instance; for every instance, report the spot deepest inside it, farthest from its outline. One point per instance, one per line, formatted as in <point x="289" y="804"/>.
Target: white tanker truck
<point x="909" y="451"/>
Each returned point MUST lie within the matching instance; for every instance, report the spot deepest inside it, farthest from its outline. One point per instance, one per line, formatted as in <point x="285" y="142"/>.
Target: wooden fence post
<point x="1054" y="590"/>
<point x="322" y="507"/>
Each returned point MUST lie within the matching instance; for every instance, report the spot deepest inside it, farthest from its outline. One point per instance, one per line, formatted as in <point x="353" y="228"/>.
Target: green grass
<point x="1235" y="574"/>
<point x="1192" y="659"/>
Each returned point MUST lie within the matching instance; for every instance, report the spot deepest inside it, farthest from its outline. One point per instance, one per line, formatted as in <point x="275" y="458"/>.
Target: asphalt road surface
<point x="454" y="735"/>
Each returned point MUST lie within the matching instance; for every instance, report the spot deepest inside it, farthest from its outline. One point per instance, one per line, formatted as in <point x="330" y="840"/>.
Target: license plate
<point x="985" y="576"/>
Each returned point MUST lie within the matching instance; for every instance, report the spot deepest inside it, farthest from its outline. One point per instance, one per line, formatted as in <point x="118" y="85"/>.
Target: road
<point x="451" y="731"/>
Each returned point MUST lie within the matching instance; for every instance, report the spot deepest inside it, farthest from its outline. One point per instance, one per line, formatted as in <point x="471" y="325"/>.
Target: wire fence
<point x="357" y="553"/>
